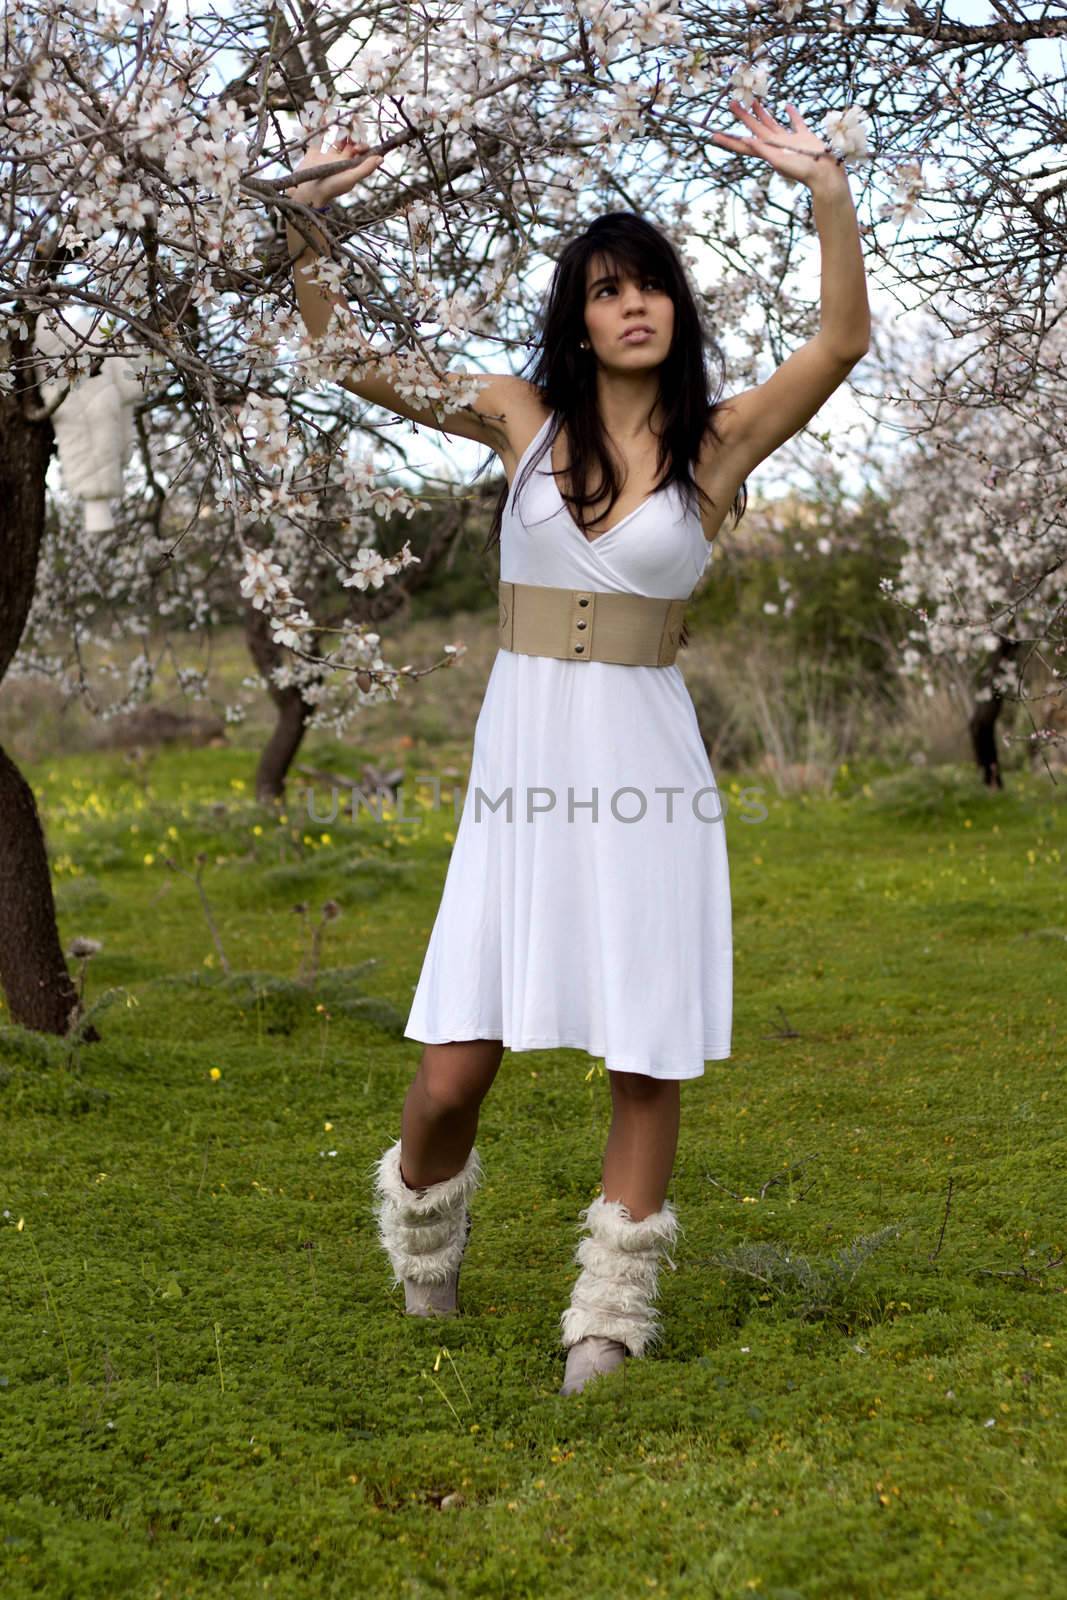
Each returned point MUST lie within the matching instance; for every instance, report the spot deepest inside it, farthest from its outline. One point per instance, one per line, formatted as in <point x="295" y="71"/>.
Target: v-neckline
<point x="607" y="531"/>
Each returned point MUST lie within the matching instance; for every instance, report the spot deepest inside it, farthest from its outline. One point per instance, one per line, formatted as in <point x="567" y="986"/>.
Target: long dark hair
<point x="565" y="374"/>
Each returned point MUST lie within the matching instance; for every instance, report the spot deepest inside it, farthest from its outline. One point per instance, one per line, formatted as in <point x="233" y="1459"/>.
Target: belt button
<point x="578" y="649"/>
<point x="584" y="601"/>
<point x="582" y="624"/>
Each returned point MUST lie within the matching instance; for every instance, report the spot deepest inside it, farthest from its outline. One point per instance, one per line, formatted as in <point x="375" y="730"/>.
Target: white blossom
<point x="263" y="581"/>
<point x="749" y="80"/>
<point x="846" y="133"/>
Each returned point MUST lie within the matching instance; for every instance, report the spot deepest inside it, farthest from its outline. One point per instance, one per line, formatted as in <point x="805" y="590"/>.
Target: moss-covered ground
<point x="208" y="1387"/>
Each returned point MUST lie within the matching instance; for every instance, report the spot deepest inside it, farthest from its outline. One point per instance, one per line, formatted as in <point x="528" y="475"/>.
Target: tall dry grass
<point x="758" y="708"/>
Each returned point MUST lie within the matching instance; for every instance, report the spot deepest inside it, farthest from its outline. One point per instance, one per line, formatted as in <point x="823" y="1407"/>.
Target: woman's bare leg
<point x="440" y="1117"/>
<point x="611" y="1314"/>
<point x="639" y="1154"/>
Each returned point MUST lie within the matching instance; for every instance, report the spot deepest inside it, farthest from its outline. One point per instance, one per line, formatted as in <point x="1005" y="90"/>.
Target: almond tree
<point x="148" y="160"/>
<point x="980" y="499"/>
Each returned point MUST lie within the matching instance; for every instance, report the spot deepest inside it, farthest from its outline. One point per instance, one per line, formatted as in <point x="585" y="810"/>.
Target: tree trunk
<point x="38" y="987"/>
<point x="983" y="723"/>
<point x="293" y="713"/>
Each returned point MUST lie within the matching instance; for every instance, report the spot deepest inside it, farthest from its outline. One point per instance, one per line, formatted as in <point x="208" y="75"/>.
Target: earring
<point x="583" y="344"/>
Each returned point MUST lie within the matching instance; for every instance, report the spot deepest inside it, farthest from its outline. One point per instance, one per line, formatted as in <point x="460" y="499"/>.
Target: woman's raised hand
<point x="317" y="191"/>
<point x="795" y="154"/>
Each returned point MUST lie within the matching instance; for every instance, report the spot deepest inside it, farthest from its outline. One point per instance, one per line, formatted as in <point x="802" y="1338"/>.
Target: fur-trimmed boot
<point x="424" y="1232"/>
<point x="611" y="1312"/>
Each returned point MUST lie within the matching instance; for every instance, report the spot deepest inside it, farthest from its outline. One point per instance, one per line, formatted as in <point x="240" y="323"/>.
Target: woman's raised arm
<point x="755" y="422"/>
<point x="485" y="421"/>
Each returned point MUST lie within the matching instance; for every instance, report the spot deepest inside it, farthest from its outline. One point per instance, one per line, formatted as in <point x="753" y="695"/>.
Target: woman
<point x="580" y="910"/>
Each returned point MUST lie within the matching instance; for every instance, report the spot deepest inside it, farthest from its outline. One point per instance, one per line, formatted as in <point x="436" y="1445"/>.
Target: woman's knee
<point x="638" y="1088"/>
<point x="457" y="1077"/>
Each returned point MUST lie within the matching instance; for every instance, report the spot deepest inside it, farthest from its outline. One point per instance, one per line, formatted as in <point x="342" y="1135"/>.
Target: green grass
<point x="207" y="1387"/>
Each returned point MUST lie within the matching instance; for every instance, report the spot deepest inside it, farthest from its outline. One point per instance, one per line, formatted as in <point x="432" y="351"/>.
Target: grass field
<point x="208" y="1388"/>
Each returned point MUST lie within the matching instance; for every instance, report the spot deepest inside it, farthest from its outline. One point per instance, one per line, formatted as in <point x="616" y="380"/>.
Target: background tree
<point x="979" y="498"/>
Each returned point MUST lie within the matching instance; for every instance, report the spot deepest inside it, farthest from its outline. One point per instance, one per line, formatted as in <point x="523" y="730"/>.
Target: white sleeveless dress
<point x="606" y="930"/>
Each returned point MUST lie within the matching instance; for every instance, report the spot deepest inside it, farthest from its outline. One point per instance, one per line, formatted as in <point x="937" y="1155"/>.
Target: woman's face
<point x="617" y="305"/>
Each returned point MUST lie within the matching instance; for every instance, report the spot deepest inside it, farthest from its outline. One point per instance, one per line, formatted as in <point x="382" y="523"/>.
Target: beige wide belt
<point x="631" y="630"/>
